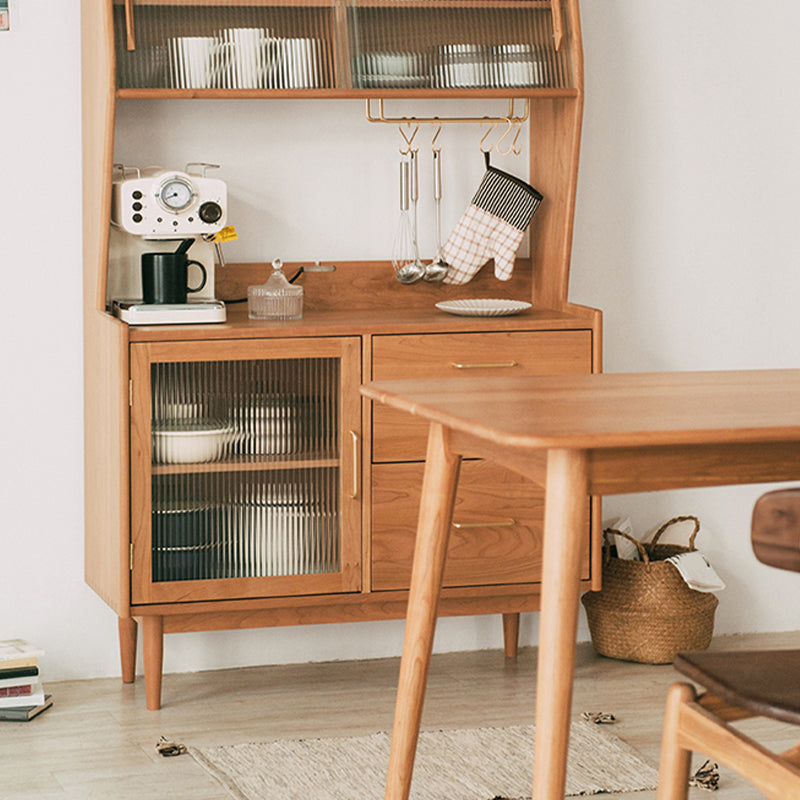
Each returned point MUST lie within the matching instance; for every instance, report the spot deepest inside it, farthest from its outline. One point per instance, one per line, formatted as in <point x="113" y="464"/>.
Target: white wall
<point x="685" y="237"/>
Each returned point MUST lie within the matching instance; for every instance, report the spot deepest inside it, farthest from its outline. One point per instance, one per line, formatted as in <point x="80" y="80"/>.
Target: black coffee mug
<point x="165" y="278"/>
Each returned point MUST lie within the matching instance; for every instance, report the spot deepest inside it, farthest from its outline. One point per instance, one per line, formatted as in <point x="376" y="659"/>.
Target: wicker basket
<point x="645" y="611"/>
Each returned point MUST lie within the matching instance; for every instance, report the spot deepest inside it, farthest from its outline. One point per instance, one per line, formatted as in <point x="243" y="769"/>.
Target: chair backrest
<point x="775" y="529"/>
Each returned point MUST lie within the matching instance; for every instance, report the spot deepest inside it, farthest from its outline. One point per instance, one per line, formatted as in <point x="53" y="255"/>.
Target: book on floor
<point x="34" y="697"/>
<point x="14" y="675"/>
<point x="20" y="682"/>
<point x="14" y="650"/>
<point x="25" y="713"/>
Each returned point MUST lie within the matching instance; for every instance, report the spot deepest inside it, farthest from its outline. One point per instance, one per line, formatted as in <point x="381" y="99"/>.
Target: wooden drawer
<point x="497" y="527"/>
<point x="398" y="436"/>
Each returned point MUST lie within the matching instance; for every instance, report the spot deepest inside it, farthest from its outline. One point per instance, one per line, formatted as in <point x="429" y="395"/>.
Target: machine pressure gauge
<point x="160" y="203"/>
<point x="176" y="194"/>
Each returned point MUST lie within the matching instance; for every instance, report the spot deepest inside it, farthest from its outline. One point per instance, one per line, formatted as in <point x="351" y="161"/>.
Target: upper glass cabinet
<point x="350" y="45"/>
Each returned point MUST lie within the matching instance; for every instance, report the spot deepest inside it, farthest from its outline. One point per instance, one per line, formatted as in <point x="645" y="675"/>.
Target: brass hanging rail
<point x="510" y="118"/>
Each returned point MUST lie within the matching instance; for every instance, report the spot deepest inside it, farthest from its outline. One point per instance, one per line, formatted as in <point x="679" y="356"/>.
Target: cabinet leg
<point x="511" y="634"/>
<point x="153" y="651"/>
<point x="128" y="630"/>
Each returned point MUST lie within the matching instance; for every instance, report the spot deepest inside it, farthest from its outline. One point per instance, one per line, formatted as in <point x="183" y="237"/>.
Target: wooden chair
<point x="739" y="685"/>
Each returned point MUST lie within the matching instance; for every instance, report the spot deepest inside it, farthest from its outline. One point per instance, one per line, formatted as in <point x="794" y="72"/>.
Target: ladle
<point x="437" y="269"/>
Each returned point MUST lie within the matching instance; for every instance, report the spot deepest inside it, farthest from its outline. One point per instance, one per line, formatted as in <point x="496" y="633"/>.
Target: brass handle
<point x="354" y="493"/>
<point x="484" y="366"/>
<point x="503" y="523"/>
<point x="129" y="32"/>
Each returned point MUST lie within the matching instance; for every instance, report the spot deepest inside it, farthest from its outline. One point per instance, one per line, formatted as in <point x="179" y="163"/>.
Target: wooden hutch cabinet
<point x="306" y="511"/>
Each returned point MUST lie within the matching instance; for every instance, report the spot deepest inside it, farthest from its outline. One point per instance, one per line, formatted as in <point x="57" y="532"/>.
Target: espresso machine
<point x="155" y="210"/>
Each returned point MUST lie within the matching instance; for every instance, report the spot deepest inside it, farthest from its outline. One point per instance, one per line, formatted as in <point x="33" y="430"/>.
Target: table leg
<point x="433" y="530"/>
<point x="565" y="527"/>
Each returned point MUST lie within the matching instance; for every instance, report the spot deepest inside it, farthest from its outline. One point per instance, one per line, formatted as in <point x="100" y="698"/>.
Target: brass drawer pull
<point x="503" y="523"/>
<point x="355" y="442"/>
<point x="485" y="366"/>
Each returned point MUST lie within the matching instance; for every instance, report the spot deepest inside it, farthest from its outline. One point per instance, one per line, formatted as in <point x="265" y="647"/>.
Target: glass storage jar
<point x="277" y="298"/>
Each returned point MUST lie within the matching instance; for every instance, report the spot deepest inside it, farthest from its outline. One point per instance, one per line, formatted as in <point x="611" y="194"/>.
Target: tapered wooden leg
<point x="673" y="772"/>
<point x="128" y="630"/>
<point x="433" y="530"/>
<point x="565" y="525"/>
<point x="511" y="634"/>
<point x="153" y="652"/>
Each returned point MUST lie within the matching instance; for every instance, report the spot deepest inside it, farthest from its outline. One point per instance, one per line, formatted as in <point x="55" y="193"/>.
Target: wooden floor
<point x="98" y="740"/>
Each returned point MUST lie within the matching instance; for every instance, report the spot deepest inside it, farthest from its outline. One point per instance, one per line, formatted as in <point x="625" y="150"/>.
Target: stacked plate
<point x="393" y="70"/>
<point x="490" y="66"/>
<point x="268" y="427"/>
<point x="465" y="65"/>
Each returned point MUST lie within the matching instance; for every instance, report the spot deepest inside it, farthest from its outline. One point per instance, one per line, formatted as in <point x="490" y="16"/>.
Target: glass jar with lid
<point x="277" y="298"/>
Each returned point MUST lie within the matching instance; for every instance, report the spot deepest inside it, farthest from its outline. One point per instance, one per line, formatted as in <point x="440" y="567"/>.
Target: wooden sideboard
<point x="322" y="529"/>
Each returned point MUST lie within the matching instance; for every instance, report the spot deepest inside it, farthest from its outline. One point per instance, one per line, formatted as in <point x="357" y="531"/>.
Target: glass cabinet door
<point x="451" y="44"/>
<point x="219" y="44"/>
<point x="245" y="469"/>
<point x="296" y="45"/>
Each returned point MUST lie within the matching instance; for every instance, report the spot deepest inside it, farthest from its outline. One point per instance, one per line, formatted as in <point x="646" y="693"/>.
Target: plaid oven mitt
<point x="492" y="227"/>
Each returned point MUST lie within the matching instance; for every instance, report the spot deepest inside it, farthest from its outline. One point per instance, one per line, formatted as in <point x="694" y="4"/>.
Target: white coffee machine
<point x="153" y="209"/>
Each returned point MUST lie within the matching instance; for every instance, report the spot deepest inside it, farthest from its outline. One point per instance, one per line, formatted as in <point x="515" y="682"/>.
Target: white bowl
<point x="189" y="443"/>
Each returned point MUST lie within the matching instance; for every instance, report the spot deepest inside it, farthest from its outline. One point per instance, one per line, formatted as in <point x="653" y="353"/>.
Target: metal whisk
<point x="404" y="256"/>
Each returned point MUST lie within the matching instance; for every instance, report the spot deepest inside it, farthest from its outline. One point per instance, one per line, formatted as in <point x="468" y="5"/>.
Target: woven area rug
<point x="477" y="764"/>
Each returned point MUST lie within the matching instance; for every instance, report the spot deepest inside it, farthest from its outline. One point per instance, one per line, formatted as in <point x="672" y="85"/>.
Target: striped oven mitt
<point x="492" y="227"/>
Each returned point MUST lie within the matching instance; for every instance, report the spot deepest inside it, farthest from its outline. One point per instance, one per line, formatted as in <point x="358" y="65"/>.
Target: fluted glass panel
<point x="445" y="44"/>
<point x="219" y="44"/>
<point x="225" y="46"/>
<point x="245" y="469"/>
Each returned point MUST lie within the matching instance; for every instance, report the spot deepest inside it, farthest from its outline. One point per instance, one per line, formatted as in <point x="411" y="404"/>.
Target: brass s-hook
<point x="408" y="139"/>
<point x="515" y="146"/>
<point x="492" y="126"/>
<point x="509" y="127"/>
<point x="434" y="148"/>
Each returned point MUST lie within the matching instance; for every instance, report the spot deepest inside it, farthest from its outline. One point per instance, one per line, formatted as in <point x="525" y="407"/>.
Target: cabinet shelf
<point x="340" y="94"/>
<point x="246" y="464"/>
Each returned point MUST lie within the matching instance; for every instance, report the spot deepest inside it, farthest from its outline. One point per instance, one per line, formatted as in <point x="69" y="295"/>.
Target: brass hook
<point x="492" y="126"/>
<point x="436" y="136"/>
<point x="516" y="146"/>
<point x="408" y="139"/>
<point x="510" y="124"/>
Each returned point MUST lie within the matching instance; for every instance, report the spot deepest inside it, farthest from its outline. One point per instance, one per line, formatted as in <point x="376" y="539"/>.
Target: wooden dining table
<point x="576" y="436"/>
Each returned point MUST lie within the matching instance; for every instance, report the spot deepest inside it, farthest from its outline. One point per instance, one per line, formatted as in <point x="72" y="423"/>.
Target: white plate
<point x="483" y="308"/>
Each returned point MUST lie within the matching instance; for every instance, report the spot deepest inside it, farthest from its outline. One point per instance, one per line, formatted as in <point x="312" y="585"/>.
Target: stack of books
<point x="22" y="696"/>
